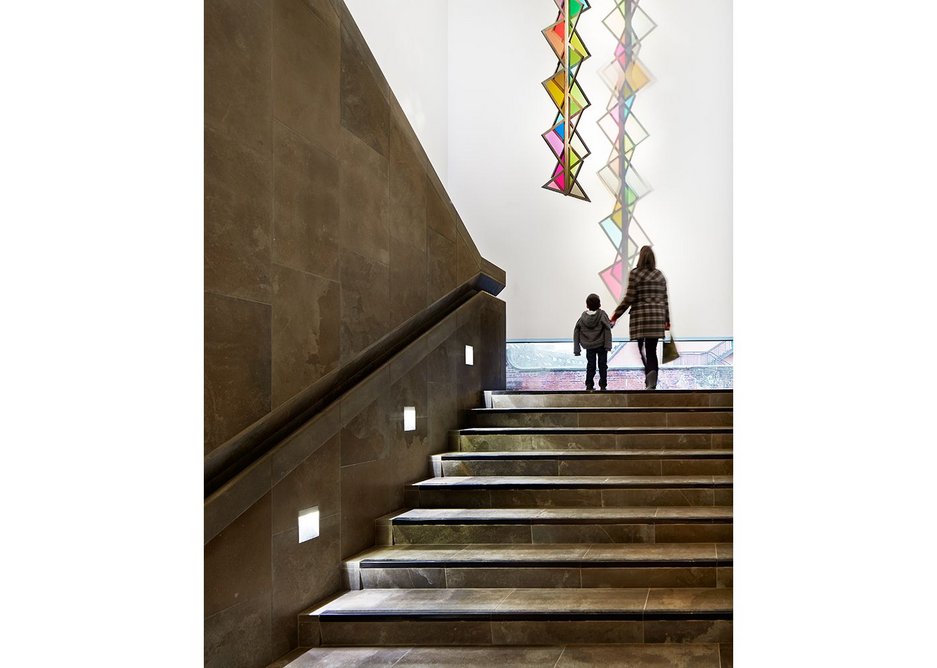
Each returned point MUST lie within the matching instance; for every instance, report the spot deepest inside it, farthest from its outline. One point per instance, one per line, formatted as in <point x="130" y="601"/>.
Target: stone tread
<point x="576" y="482"/>
<point x="602" y="409"/>
<point x="689" y="655"/>
<point x="624" y="603"/>
<point x="581" y="392"/>
<point x="545" y="555"/>
<point x="657" y="514"/>
<point x="477" y="431"/>
<point x="643" y="453"/>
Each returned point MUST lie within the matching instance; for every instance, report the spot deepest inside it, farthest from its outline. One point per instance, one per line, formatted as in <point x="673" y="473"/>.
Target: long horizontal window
<point x="704" y="363"/>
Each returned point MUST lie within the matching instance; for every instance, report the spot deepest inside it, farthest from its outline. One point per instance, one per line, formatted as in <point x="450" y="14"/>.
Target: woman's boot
<point x="650" y="380"/>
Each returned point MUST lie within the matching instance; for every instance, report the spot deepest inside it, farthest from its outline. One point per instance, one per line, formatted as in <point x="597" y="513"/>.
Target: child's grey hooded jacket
<point x="593" y="330"/>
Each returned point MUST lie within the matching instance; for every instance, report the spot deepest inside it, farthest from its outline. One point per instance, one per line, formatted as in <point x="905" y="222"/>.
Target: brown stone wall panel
<point x="408" y="285"/>
<point x="367" y="436"/>
<point x="238" y="53"/>
<point x="328" y="11"/>
<point x="407" y="190"/>
<point x="368" y="492"/>
<point x="443" y="415"/>
<point x="223" y="507"/>
<point x="305" y="441"/>
<point x="237" y="561"/>
<point x="439" y="214"/>
<point x="364" y="108"/>
<point x="364" y="201"/>
<point x="406" y="360"/>
<point x="365" y="303"/>
<point x="237" y="366"/>
<point x="442" y="261"/>
<point x="303" y="574"/>
<point x="306" y="330"/>
<point x="441" y="331"/>
<point x="491" y="355"/>
<point x="410" y="450"/>
<point x="442" y="364"/>
<point x="364" y="394"/>
<point x="315" y="482"/>
<point x="468" y="262"/>
<point x="470" y="377"/>
<point x="239" y="637"/>
<point x="238" y="218"/>
<point x="307" y="231"/>
<point x="306" y="73"/>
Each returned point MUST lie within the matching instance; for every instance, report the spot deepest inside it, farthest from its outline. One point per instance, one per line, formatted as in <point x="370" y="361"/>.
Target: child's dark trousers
<point x="594" y="355"/>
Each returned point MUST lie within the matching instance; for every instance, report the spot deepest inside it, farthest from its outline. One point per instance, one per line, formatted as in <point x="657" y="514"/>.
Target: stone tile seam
<point x="322" y="520"/>
<point x="243" y="299"/>
<point x="316" y="143"/>
<point x="235" y="138"/>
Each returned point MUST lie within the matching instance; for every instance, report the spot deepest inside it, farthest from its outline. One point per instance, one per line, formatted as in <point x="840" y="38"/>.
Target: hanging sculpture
<point x="565" y="143"/>
<point x="625" y="76"/>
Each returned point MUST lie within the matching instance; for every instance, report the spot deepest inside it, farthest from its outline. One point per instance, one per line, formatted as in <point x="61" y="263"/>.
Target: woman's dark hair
<point x="646" y="258"/>
<point x="593" y="302"/>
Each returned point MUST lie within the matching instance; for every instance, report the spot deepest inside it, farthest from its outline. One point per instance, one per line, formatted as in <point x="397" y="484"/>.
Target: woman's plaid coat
<point x="647" y="297"/>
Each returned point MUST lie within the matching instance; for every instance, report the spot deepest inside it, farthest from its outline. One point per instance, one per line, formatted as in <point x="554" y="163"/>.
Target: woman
<point x="650" y="312"/>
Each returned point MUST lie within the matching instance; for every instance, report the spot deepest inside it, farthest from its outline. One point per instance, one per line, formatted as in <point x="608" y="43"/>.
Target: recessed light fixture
<point x="469" y="355"/>
<point x="308" y="524"/>
<point x="409" y="418"/>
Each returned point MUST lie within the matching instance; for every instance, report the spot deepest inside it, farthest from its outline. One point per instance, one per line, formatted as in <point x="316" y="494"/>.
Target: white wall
<point x="409" y="40"/>
<point x="494" y="161"/>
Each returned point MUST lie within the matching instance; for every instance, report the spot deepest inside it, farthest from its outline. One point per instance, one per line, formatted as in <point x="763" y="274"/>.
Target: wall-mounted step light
<point x="469" y="355"/>
<point x="308" y="524"/>
<point x="409" y="418"/>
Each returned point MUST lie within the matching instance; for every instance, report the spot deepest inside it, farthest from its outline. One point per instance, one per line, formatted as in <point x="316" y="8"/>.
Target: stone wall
<point x="325" y="225"/>
<point x="353" y="462"/>
<point x="325" y="229"/>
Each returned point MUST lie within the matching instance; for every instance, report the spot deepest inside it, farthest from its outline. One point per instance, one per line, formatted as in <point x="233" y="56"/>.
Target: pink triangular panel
<point x="612" y="277"/>
<point x="553" y="139"/>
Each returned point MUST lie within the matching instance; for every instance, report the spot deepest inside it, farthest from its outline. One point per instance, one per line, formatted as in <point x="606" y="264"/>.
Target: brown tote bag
<point x="670" y="350"/>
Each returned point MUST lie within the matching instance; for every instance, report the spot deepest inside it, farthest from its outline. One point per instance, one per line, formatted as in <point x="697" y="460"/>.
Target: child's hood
<point x="592" y="318"/>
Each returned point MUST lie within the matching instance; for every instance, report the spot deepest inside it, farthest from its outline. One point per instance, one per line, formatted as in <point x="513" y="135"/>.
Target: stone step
<point x="650" y="524"/>
<point x="695" y="655"/>
<point x="640" y="398"/>
<point x="600" y="417"/>
<point x="522" y="616"/>
<point x="570" y="491"/>
<point x="584" y="462"/>
<point x="487" y="439"/>
<point x="550" y="565"/>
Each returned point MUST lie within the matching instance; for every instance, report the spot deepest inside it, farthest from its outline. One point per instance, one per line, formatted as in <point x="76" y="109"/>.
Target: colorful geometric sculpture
<point x="624" y="76"/>
<point x="570" y="100"/>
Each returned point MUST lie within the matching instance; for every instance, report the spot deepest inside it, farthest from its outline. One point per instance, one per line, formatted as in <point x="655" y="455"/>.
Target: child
<point x="594" y="333"/>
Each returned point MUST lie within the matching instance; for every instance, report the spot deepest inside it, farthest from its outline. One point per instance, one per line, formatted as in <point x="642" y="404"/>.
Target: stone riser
<point x="426" y="632"/>
<point x="468" y="442"/>
<point x="474" y="576"/>
<point x="563" y="467"/>
<point x="695" y="655"/>
<point x="613" y="399"/>
<point x="572" y="532"/>
<point x="566" y="498"/>
<point x="599" y="419"/>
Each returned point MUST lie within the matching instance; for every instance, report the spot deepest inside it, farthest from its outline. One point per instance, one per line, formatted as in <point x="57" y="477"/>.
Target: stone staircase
<point x="598" y="525"/>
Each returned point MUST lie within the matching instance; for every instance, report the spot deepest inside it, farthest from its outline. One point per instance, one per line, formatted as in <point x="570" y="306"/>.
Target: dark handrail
<point x="237" y="453"/>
